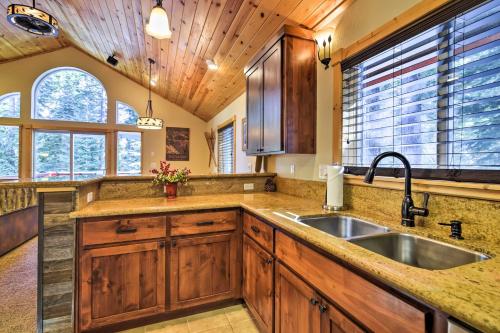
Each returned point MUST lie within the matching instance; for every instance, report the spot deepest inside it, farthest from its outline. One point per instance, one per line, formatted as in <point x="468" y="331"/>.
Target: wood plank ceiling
<point x="230" y="32"/>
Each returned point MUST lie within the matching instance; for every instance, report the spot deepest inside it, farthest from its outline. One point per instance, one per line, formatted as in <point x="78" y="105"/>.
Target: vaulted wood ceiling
<point x="228" y="31"/>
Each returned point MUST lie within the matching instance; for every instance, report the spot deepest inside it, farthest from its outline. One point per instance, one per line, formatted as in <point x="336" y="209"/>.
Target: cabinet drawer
<point x="200" y="223"/>
<point x="376" y="308"/>
<point x="123" y="230"/>
<point x="261" y="232"/>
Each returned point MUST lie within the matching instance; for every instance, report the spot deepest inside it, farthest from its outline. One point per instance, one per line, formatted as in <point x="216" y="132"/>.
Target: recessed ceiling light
<point x="212" y="65"/>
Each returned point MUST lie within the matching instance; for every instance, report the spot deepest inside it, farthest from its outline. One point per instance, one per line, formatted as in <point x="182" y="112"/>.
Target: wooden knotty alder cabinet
<point x="281" y="95"/>
<point x="139" y="267"/>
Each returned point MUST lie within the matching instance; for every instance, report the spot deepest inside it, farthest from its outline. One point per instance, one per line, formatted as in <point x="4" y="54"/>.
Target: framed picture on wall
<point x="244" y="134"/>
<point x="177" y="144"/>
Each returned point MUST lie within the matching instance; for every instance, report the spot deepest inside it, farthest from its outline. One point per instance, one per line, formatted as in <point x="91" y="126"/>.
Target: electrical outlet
<point x="248" y="187"/>
<point x="90" y="197"/>
<point x="292" y="169"/>
<point x="323" y="171"/>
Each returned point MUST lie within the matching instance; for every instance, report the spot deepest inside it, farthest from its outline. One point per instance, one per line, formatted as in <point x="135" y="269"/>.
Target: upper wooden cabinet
<point x="281" y="95"/>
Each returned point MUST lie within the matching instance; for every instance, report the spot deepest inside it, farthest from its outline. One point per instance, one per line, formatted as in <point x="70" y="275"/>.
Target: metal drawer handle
<point x="255" y="229"/>
<point x="202" y="224"/>
<point x="126" y="229"/>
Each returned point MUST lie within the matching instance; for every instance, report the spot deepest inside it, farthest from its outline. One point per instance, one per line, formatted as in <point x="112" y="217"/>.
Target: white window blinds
<point x="225" y="149"/>
<point x="434" y="97"/>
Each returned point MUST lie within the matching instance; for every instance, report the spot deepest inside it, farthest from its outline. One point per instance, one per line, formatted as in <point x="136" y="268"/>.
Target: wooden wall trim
<point x="444" y="187"/>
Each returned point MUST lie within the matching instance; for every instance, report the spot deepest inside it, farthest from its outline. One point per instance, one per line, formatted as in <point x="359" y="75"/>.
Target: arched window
<point x="69" y="94"/>
<point x="10" y="105"/>
<point x="125" y="114"/>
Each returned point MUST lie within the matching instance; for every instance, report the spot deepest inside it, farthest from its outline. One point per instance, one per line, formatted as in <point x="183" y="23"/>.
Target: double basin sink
<point x="405" y="248"/>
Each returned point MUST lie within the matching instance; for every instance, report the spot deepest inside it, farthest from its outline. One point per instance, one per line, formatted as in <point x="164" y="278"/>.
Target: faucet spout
<point x="408" y="209"/>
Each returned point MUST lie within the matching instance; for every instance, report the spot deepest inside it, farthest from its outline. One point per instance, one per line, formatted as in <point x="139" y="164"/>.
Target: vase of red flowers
<point x="170" y="178"/>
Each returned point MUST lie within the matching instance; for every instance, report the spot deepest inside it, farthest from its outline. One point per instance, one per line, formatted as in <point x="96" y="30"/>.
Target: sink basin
<point x="343" y="226"/>
<point x="418" y="251"/>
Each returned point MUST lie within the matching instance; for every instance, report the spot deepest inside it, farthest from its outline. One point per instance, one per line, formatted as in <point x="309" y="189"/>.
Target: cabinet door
<point x="203" y="270"/>
<point x="272" y="116"/>
<point x="296" y="304"/>
<point x="121" y="282"/>
<point x="258" y="282"/>
<point x="333" y="321"/>
<point x="254" y="110"/>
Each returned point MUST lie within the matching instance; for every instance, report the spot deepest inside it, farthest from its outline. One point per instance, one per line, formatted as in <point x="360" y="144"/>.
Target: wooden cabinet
<point x="258" y="275"/>
<point x="204" y="269"/>
<point x="296" y="305"/>
<point x="121" y="283"/>
<point x="281" y="95"/>
<point x="333" y="321"/>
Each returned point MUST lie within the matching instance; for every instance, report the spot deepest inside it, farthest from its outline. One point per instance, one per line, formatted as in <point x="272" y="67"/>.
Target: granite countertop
<point x="470" y="293"/>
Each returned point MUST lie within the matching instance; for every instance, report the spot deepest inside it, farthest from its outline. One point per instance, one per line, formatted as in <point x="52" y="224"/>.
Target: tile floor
<point x="233" y="319"/>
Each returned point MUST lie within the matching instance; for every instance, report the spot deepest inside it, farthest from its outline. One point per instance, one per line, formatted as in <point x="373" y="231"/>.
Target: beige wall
<point x="359" y="19"/>
<point x="19" y="76"/>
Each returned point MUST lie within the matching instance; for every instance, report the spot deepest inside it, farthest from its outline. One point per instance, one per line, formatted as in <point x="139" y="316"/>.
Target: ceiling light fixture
<point x="149" y="122"/>
<point x="212" y="65"/>
<point x="33" y="20"/>
<point x="158" y="26"/>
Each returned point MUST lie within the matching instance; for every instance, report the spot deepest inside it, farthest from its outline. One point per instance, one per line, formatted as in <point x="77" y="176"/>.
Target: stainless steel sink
<point x="418" y="251"/>
<point x="343" y="226"/>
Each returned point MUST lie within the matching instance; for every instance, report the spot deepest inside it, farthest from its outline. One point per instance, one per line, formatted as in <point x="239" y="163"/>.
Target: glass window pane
<point x="70" y="94"/>
<point x="129" y="153"/>
<point x="51" y="154"/>
<point x="89" y="155"/>
<point x="10" y="105"/>
<point x="9" y="151"/>
<point x="125" y="114"/>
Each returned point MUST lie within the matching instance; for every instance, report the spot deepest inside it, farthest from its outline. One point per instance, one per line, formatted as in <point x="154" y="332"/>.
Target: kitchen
<point x="249" y="166"/>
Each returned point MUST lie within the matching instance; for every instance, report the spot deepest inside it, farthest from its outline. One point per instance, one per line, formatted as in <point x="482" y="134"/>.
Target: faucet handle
<point x="426" y="199"/>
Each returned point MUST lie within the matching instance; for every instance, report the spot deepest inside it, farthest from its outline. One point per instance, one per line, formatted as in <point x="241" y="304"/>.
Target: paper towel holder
<point x="330" y="208"/>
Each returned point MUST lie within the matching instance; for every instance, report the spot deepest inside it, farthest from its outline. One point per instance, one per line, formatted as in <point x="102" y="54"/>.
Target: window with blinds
<point x="433" y="96"/>
<point x="225" y="149"/>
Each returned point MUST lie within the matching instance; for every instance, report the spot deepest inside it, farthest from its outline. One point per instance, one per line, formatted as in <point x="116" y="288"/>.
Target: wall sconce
<point x="324" y="41"/>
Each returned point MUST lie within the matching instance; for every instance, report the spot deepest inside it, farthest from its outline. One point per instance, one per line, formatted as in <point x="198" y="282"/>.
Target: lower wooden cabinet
<point x="300" y="308"/>
<point x="296" y="304"/>
<point x="120" y="283"/>
<point x="258" y="275"/>
<point x="204" y="269"/>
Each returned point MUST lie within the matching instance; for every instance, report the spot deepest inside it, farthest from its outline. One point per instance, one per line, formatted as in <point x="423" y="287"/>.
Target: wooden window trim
<point x="413" y="14"/>
<point x="230" y="121"/>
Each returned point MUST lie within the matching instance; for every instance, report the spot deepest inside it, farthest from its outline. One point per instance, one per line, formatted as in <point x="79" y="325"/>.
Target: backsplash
<point x="480" y="217"/>
<point x="122" y="188"/>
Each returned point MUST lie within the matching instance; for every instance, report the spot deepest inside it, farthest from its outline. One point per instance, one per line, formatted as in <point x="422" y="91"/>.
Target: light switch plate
<point x="90" y="197"/>
<point x="248" y="186"/>
<point x="323" y="171"/>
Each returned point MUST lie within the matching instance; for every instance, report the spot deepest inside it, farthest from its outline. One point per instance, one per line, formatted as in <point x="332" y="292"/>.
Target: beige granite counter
<point x="470" y="293"/>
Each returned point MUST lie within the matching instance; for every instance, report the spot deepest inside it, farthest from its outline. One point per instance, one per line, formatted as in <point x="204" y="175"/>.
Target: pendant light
<point x="33" y="20"/>
<point x="158" y="26"/>
<point x="149" y="122"/>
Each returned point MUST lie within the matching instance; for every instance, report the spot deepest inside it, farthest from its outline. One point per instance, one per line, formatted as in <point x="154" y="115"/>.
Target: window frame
<point x="116" y="151"/>
<point x="71" y="133"/>
<point x="229" y="122"/>
<point x="385" y="37"/>
<point x="44" y="75"/>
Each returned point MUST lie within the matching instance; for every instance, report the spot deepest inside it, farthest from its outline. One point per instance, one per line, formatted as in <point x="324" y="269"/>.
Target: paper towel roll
<point x="335" y="187"/>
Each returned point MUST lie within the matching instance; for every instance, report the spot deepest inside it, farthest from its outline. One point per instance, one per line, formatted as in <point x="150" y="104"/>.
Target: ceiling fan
<point x="33" y="20"/>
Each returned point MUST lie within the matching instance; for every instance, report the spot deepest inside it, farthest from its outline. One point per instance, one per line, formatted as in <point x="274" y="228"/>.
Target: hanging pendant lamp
<point x="33" y="20"/>
<point x="149" y="122"/>
<point x="158" y="26"/>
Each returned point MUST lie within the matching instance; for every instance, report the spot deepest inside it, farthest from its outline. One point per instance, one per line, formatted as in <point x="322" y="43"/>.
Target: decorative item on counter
<point x="244" y="135"/>
<point x="177" y="144"/>
<point x="270" y="185"/>
<point x="210" y="137"/>
<point x="170" y="178"/>
<point x="334" y="187"/>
